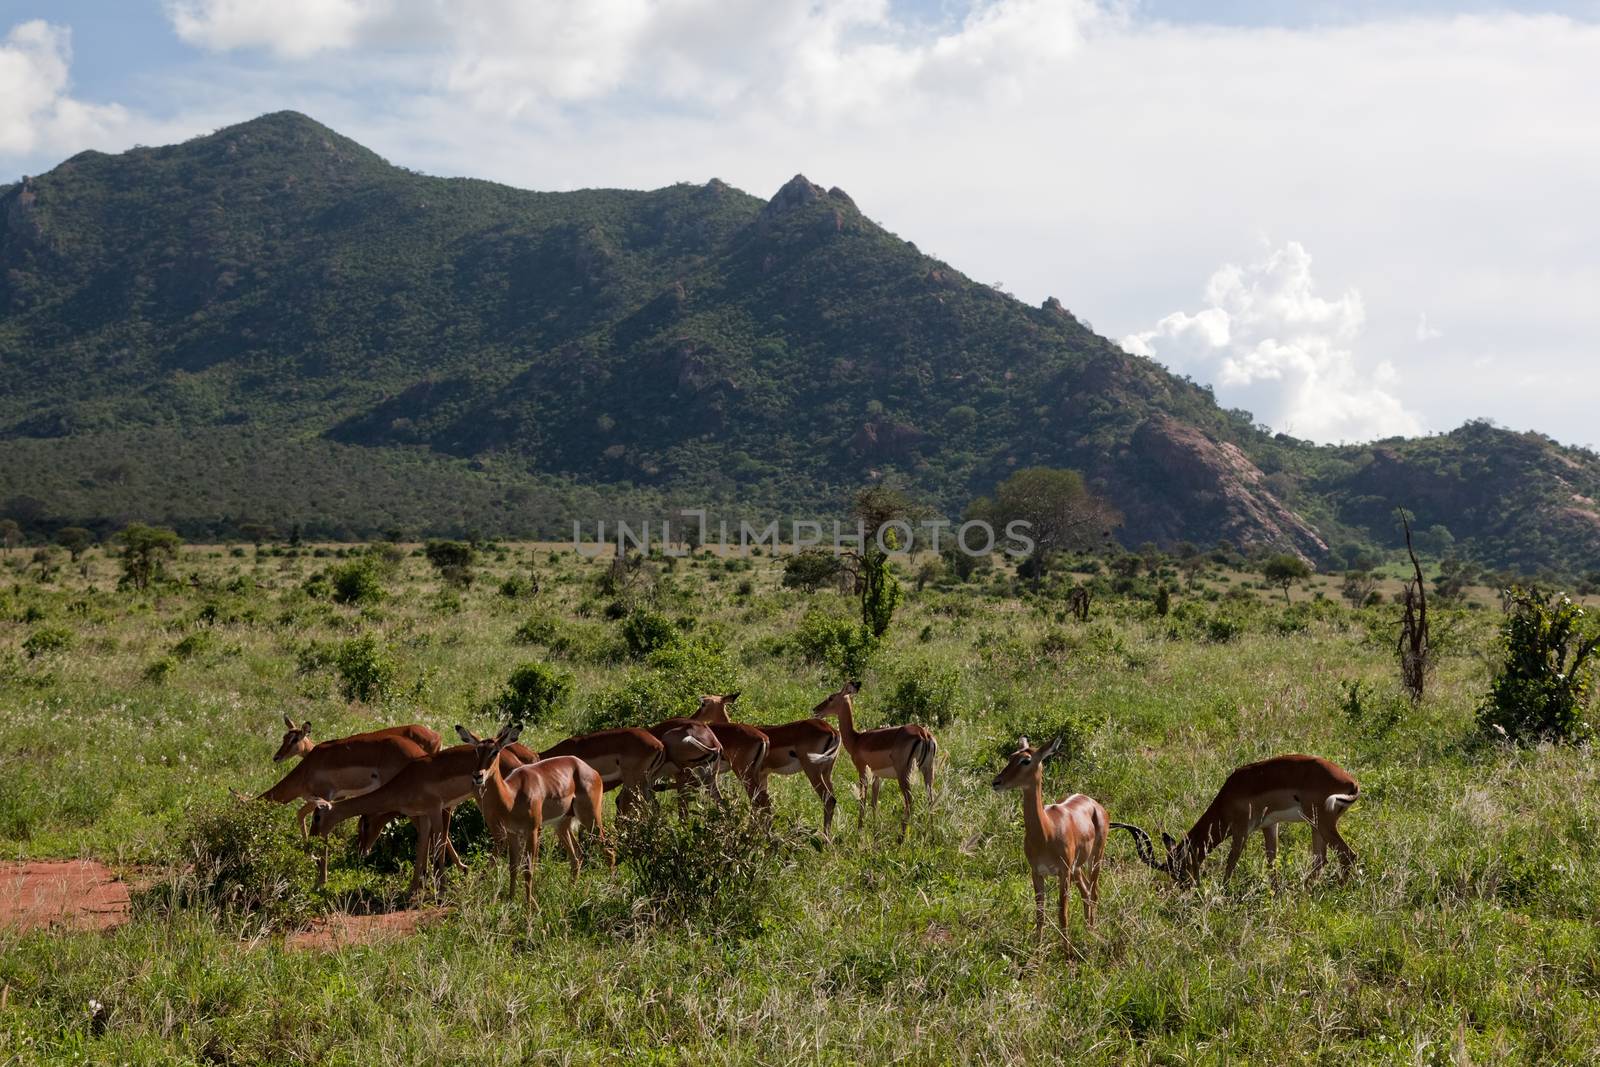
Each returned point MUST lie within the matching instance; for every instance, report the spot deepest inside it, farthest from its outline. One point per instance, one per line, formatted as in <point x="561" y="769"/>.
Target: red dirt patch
<point x="78" y="894"/>
<point x="340" y="931"/>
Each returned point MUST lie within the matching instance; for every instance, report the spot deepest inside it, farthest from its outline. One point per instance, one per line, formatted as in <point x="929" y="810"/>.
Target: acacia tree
<point x="10" y="533"/>
<point x="1416" y="656"/>
<point x="144" y="549"/>
<point x="75" y="539"/>
<point x="1283" y="570"/>
<point x="1062" y="513"/>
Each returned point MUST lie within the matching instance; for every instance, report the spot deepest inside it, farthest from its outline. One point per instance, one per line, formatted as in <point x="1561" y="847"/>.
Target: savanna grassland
<point x="1468" y="933"/>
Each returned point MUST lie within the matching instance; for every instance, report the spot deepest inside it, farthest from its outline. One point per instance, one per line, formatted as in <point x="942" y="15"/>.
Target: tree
<point x="1283" y="570"/>
<point x="1415" y="651"/>
<point x="75" y="539"/>
<point x="810" y="570"/>
<point x="452" y="559"/>
<point x="1061" y="512"/>
<point x="876" y="507"/>
<point x="1358" y="587"/>
<point x="1544" y="680"/>
<point x="257" y="533"/>
<point x="144" y="548"/>
<point x="10" y="533"/>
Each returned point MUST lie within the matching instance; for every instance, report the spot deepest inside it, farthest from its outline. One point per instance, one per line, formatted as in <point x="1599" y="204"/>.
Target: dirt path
<point x="78" y="894"/>
<point x="340" y="931"/>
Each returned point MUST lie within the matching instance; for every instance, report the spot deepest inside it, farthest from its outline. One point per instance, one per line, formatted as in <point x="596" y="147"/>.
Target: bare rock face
<point x="796" y="193"/>
<point x="1218" y="477"/>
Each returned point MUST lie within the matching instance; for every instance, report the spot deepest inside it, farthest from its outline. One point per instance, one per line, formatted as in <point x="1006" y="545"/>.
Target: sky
<point x="1352" y="218"/>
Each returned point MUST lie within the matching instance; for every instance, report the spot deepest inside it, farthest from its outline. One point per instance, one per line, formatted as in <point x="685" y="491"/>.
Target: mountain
<point x="271" y="323"/>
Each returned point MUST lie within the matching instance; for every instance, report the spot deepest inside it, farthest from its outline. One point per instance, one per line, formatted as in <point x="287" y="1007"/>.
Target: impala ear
<point x="1022" y="742"/>
<point x="509" y="735"/>
<point x="1167" y="839"/>
<point x="730" y="698"/>
<point x="1051" y="749"/>
<point x="306" y="726"/>
<point x="467" y="735"/>
<point x="288" y="722"/>
<point x="851" y="688"/>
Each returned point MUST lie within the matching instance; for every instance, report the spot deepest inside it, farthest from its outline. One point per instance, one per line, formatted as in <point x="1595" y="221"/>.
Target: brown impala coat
<point x="807" y="747"/>
<point x="895" y="752"/>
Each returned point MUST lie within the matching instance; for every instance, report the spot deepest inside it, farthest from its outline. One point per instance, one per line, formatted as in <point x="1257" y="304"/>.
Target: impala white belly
<point x="1277" y="815"/>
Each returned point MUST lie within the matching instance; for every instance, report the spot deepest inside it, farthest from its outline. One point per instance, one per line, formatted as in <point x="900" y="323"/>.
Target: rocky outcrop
<point x="1217" y="478"/>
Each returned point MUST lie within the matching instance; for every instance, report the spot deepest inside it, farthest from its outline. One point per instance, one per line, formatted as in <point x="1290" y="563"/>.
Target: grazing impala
<point x="1065" y="839"/>
<point x="693" y="752"/>
<point x="744" y="747"/>
<point x="372" y="826"/>
<point x="1259" y="796"/>
<point x="297" y="742"/>
<point x="420" y="791"/>
<point x="807" y="747"/>
<point x="886" y="752"/>
<point x="337" y="770"/>
<point x="558" y="790"/>
<point x="628" y="757"/>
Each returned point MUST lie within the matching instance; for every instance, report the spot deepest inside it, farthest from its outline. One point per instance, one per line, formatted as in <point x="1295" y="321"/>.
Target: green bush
<point x="518" y="587"/>
<point x="195" y="644"/>
<point x="810" y="570"/>
<point x="359" y="581"/>
<point x="533" y="694"/>
<point x="928" y="695"/>
<point x="645" y="631"/>
<point x="720" y="867"/>
<point x="47" y="639"/>
<point x="538" y="630"/>
<point x="678" y="677"/>
<point x="247" y="858"/>
<point x="366" y="670"/>
<point x="841" y="645"/>
<point x="1073" y="725"/>
<point x="1542" y="688"/>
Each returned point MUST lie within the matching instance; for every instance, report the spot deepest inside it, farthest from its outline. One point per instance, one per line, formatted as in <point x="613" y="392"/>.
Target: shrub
<point x="538" y="630"/>
<point x="929" y="696"/>
<point x="841" y="645"/>
<point x="532" y="694"/>
<point x="1542" y="687"/>
<point x="452" y="559"/>
<point x="645" y="631"/>
<point x="47" y="639"/>
<point x="247" y="858"/>
<point x="518" y="587"/>
<point x="1073" y="725"/>
<point x="159" y="669"/>
<point x="357" y="582"/>
<point x="720" y="867"/>
<point x="366" y="670"/>
<point x="810" y="570"/>
<point x="679" y="675"/>
<point x="144" y="549"/>
<point x="193" y="645"/>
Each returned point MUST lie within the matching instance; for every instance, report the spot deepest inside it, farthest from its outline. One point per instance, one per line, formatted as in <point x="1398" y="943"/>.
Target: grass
<point x="1468" y="934"/>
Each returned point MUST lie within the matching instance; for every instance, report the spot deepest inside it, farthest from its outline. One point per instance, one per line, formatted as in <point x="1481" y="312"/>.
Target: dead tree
<point x="1416" y="658"/>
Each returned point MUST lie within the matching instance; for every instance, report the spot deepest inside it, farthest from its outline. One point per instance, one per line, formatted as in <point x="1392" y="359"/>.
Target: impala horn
<point x="1146" y="849"/>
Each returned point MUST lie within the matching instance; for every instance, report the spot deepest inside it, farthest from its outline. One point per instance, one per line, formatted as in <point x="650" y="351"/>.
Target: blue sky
<point x="1352" y="217"/>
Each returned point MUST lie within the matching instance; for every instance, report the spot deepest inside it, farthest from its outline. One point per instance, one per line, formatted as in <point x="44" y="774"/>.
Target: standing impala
<point x="886" y="752"/>
<point x="693" y="752"/>
<point x="558" y="790"/>
<point x="628" y="757"/>
<point x="808" y="746"/>
<point x="744" y="747"/>
<point x="421" y="791"/>
<point x="336" y="770"/>
<point x="1065" y="839"/>
<point x="1259" y="796"/>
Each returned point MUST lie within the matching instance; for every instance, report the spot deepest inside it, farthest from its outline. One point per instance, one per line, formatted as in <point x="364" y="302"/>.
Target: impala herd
<point x="403" y="771"/>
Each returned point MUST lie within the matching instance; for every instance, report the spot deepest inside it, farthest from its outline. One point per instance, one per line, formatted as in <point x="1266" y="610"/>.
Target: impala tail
<point x="1337" y="803"/>
<point x="926" y="749"/>
<point x="827" y="755"/>
<point x="1144" y="846"/>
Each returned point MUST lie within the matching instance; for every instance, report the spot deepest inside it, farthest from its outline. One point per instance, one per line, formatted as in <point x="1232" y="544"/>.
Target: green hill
<point x="271" y="323"/>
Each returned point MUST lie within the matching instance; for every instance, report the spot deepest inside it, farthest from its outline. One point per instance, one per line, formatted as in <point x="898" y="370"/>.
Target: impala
<point x="558" y="790"/>
<point x="744" y="747"/>
<point x="1259" y="796"/>
<point x="1065" y="839"/>
<point x="886" y="752"/>
<point x="297" y="742"/>
<point x="372" y="826"/>
<point x="338" y="770"/>
<point x="693" y="751"/>
<point x="628" y="757"/>
<point x="421" y="791"/>
<point x="808" y="746"/>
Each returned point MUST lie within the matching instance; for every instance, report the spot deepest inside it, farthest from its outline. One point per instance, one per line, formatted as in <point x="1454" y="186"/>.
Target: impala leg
<point x="449" y="846"/>
<point x="1347" y="855"/>
<point x="1061" y="911"/>
<point x="1269" y="843"/>
<point x="1038" y="908"/>
<point x="1235" y="850"/>
<point x="1319" y="852"/>
<point x="302" y="815"/>
<point x="514" y="861"/>
<point x="1088" y="888"/>
<point x="533" y="861"/>
<point x="419" y="867"/>
<point x="877" y="783"/>
<point x="569" y="841"/>
<point x="863" y="784"/>
<point x="905" y="795"/>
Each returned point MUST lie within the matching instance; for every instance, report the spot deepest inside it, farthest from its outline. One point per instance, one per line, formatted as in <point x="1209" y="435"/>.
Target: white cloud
<point x="38" y="114"/>
<point x="294" y="29"/>
<point x="1271" y="344"/>
<point x="1426" y="331"/>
